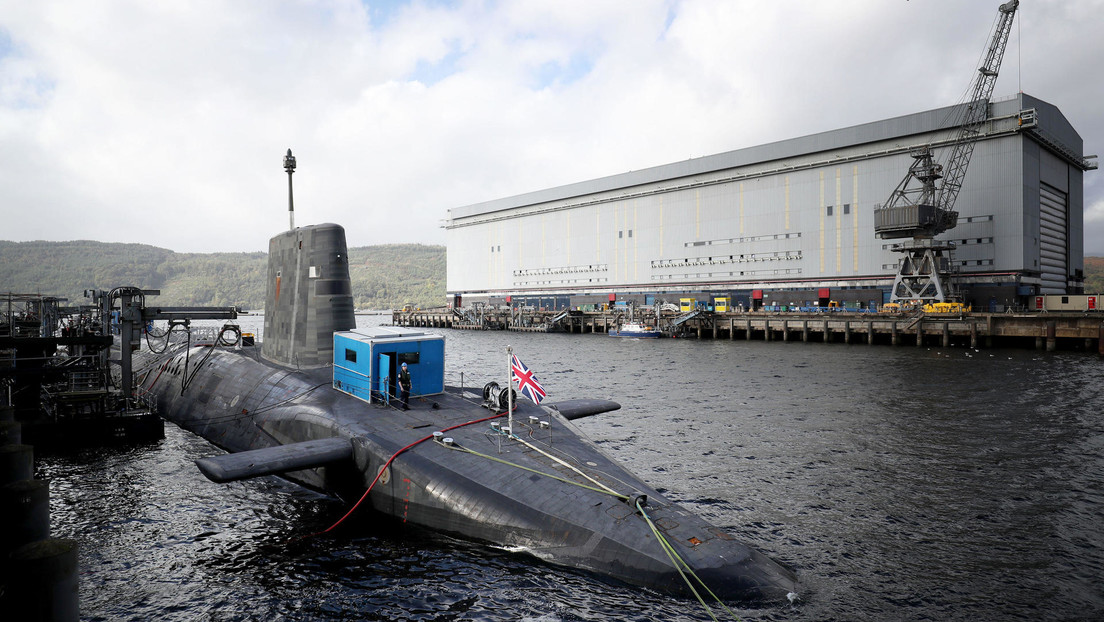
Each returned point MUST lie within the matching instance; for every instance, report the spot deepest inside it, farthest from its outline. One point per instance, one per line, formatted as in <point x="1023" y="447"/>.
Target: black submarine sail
<point x="318" y="415"/>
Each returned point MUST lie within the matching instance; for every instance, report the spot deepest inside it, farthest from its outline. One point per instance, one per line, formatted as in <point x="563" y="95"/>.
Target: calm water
<point x="900" y="483"/>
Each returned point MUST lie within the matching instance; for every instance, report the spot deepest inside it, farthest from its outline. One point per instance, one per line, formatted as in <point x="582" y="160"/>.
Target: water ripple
<point x="900" y="483"/>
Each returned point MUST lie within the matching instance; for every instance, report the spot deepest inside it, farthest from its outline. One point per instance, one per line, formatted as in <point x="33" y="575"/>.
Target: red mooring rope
<point x="387" y="464"/>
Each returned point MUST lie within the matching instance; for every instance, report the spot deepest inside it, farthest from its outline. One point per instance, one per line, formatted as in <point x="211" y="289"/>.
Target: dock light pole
<point x="289" y="166"/>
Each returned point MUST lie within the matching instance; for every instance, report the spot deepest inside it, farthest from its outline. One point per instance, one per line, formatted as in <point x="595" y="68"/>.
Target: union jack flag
<point x="527" y="382"/>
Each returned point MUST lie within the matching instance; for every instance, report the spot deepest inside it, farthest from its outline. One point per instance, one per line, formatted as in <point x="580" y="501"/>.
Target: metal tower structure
<point x="917" y="209"/>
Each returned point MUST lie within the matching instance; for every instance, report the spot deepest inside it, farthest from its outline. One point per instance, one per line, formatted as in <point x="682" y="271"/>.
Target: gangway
<point x="686" y="317"/>
<point x="558" y="318"/>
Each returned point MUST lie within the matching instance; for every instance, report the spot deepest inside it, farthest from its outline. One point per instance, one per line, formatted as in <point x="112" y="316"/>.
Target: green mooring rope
<point x="676" y="560"/>
<point x="555" y="477"/>
<point x="679" y="564"/>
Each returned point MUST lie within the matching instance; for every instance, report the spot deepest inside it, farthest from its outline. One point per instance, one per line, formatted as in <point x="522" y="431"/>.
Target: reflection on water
<point x="900" y="483"/>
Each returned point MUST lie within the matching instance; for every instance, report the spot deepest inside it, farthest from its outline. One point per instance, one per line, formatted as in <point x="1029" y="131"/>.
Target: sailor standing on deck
<point x="404" y="387"/>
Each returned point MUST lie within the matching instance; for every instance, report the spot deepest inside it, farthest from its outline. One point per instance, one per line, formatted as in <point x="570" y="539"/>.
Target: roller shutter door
<point x="1053" y="245"/>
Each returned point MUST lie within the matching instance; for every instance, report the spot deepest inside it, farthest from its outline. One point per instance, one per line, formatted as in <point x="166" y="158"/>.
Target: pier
<point x="1043" y="331"/>
<point x="54" y="372"/>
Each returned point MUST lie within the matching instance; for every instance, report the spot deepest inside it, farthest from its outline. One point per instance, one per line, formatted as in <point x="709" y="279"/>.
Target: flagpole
<point x="510" y="388"/>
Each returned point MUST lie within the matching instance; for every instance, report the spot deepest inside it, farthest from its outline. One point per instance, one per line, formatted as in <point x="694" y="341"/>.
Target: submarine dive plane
<point x="314" y="406"/>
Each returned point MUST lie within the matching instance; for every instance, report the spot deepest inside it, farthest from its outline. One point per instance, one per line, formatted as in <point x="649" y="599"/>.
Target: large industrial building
<point x="788" y="223"/>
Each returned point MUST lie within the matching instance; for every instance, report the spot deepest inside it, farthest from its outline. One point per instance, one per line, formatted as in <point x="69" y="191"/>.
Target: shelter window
<point x="350" y="355"/>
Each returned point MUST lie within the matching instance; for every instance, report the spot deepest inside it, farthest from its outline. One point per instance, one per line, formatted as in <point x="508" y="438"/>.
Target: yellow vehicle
<point x="687" y="304"/>
<point x="946" y="307"/>
<point x="720" y="305"/>
<point x="890" y="307"/>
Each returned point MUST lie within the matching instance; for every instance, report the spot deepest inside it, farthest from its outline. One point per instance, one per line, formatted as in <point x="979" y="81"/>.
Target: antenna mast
<point x="289" y="166"/>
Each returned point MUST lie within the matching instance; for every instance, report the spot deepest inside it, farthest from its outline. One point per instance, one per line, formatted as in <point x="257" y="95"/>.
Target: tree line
<point x="386" y="276"/>
<point x="1094" y="275"/>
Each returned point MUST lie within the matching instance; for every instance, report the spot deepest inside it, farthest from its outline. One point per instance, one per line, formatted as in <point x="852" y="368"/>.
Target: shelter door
<point x="384" y="386"/>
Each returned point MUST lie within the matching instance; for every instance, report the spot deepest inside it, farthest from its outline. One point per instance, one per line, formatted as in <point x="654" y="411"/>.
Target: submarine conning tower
<point x="309" y="295"/>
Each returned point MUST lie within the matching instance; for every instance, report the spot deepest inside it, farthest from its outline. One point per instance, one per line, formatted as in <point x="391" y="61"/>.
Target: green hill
<point x="1094" y="275"/>
<point x="387" y="276"/>
<point x="384" y="277"/>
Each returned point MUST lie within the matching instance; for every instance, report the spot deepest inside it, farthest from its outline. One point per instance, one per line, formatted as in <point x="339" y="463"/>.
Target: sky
<point x="166" y="123"/>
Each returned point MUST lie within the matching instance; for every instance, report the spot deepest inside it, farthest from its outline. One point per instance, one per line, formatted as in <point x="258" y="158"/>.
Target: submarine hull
<point x="541" y="487"/>
<point x="486" y="486"/>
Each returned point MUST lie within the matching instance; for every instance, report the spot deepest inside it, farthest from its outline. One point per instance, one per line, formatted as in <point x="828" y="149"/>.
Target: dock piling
<point x="45" y="586"/>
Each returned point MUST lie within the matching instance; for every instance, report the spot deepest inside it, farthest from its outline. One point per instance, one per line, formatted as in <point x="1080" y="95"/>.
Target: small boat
<point x="635" y="329"/>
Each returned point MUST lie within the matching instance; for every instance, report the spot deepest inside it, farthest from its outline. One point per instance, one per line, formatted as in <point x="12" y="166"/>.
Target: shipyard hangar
<point x="790" y="222"/>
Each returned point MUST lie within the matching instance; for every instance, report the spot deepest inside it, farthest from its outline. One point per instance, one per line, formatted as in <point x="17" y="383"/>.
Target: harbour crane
<point x="920" y="210"/>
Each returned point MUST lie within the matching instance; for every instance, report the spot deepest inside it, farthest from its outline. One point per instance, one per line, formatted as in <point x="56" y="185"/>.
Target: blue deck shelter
<point x="366" y="362"/>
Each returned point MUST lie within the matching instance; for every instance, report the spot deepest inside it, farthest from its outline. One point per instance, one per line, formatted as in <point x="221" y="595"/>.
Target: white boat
<point x="635" y="329"/>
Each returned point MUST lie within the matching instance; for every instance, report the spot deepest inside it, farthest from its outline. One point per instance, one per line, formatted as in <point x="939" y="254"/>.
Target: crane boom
<point x="976" y="110"/>
<point x="925" y="211"/>
<point x="922" y="211"/>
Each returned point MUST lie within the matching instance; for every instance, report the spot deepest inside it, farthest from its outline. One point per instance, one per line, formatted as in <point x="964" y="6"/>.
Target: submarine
<point x="313" y="404"/>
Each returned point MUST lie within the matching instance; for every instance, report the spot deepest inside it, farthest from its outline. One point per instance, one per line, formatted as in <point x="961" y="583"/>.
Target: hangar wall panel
<point x="779" y="215"/>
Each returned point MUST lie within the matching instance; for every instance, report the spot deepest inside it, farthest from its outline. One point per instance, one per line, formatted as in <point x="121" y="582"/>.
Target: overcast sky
<point x="166" y="122"/>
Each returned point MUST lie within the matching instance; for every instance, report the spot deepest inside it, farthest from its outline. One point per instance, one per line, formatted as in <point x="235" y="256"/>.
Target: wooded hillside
<point x="1094" y="275"/>
<point x="384" y="277"/>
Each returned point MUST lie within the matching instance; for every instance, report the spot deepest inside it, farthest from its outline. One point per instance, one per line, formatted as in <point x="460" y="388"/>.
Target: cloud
<point x="166" y="123"/>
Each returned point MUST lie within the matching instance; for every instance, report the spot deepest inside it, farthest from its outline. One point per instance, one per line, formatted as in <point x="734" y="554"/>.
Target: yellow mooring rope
<point x="676" y="560"/>
<point x="679" y="564"/>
